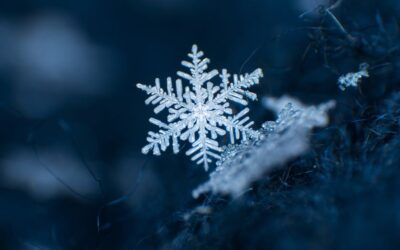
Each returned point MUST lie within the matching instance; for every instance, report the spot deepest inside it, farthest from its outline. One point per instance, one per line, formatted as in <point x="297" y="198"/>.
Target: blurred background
<point x="72" y="121"/>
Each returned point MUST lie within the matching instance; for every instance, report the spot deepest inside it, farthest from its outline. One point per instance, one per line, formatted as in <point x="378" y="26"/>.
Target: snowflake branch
<point x="203" y="146"/>
<point x="237" y="126"/>
<point x="162" y="98"/>
<point x="162" y="138"/>
<point x="235" y="91"/>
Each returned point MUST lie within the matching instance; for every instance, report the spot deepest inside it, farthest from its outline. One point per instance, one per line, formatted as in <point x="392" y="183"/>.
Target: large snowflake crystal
<point x="200" y="112"/>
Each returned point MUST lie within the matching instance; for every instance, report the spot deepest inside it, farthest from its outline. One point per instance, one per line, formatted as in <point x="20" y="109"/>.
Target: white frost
<point x="279" y="142"/>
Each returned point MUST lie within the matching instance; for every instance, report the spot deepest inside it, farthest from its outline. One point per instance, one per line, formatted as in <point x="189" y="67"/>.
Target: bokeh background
<point x="72" y="123"/>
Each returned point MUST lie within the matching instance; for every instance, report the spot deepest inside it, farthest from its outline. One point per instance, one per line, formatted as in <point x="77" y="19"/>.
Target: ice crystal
<point x="200" y="112"/>
<point x="279" y="142"/>
<point x="353" y="79"/>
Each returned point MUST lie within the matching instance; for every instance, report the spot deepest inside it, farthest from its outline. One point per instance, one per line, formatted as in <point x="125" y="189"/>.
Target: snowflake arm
<point x="161" y="140"/>
<point x="239" y="127"/>
<point x="162" y="98"/>
<point x="236" y="91"/>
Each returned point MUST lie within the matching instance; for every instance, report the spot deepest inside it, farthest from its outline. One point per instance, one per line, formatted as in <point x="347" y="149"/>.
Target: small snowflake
<point x="200" y="112"/>
<point x="354" y="78"/>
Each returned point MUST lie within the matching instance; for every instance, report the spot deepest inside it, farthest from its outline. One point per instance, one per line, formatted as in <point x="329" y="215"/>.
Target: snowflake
<point x="201" y="112"/>
<point x="353" y="79"/>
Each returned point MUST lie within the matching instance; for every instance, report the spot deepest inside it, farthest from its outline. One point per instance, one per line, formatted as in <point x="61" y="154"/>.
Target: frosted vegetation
<point x="279" y="141"/>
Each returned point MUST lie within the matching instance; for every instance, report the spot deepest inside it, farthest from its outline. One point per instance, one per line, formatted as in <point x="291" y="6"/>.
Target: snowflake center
<point x="201" y="112"/>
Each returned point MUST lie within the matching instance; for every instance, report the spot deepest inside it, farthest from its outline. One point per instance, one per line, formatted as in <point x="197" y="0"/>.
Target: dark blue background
<point x="72" y="121"/>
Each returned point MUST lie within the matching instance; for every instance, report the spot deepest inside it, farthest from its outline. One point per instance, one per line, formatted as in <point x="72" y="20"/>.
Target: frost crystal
<point x="354" y="78"/>
<point x="279" y="142"/>
<point x="200" y="112"/>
